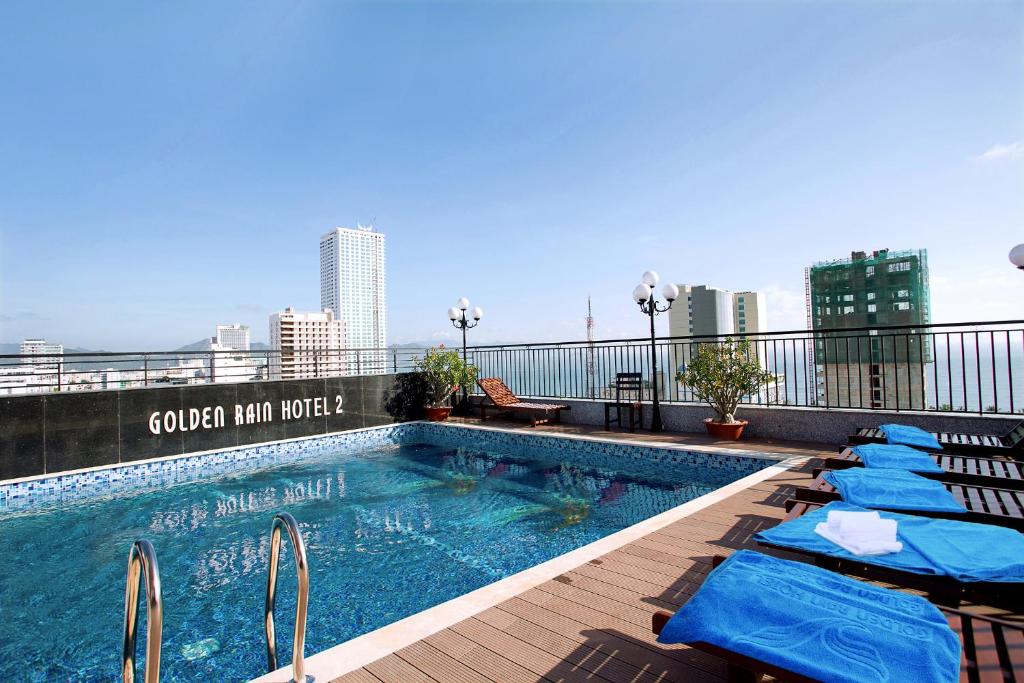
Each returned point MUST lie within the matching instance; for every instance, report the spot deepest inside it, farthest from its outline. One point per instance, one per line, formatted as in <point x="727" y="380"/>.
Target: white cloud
<point x="1012" y="151"/>
<point x="787" y="308"/>
<point x="978" y="295"/>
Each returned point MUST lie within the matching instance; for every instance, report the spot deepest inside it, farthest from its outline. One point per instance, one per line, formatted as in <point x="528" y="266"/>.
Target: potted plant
<point x="444" y="372"/>
<point x="721" y="374"/>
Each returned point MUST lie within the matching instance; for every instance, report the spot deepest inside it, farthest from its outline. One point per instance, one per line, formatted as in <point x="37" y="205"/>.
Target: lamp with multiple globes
<point x="643" y="295"/>
<point x="457" y="314"/>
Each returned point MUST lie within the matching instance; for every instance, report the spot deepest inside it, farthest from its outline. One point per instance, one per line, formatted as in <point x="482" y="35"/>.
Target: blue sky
<point x="168" y="166"/>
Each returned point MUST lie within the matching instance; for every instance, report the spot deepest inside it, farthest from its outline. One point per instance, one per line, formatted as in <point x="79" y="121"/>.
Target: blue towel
<point x="910" y="436"/>
<point x="889" y="456"/>
<point x="940" y="547"/>
<point x="817" y="623"/>
<point x="892" y="490"/>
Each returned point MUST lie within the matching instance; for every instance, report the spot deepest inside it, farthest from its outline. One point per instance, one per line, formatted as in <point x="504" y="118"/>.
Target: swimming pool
<point x="395" y="520"/>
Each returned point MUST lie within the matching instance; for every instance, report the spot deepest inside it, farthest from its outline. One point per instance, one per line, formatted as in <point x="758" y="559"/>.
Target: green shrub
<point x="444" y="373"/>
<point x="722" y="373"/>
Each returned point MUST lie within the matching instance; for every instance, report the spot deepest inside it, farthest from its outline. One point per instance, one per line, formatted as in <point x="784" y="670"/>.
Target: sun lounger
<point x="503" y="400"/>
<point x="987" y="565"/>
<point x="954" y="468"/>
<point x="1011" y="445"/>
<point x="990" y="649"/>
<point x="984" y="504"/>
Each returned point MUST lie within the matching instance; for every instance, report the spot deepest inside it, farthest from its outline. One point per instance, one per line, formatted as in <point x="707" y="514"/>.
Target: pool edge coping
<point x="354" y="654"/>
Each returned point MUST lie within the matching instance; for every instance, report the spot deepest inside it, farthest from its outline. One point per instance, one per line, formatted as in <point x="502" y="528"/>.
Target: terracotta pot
<point x="438" y="414"/>
<point x="726" y="432"/>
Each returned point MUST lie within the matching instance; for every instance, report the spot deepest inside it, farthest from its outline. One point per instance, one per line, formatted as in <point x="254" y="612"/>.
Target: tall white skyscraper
<point x="352" y="284"/>
<point x="233" y="336"/>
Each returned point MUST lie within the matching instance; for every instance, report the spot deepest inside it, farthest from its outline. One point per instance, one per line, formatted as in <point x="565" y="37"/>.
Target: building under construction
<point x="870" y="368"/>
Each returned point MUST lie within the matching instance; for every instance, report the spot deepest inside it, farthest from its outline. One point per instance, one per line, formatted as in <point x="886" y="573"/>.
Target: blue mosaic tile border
<point x="600" y="454"/>
<point x="148" y="475"/>
<point x="588" y="452"/>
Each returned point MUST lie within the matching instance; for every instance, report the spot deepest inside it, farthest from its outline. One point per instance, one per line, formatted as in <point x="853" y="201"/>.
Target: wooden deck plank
<point x="642" y="655"/>
<point x="394" y="668"/>
<point x="437" y="664"/>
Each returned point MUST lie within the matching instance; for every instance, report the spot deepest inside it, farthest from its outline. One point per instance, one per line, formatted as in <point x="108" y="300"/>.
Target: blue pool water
<point x="390" y="531"/>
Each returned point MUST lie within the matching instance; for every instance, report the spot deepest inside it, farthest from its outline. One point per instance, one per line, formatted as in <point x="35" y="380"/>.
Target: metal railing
<point x="961" y="367"/>
<point x="142" y="564"/>
<point x="283" y="519"/>
<point x="91" y="371"/>
<point x="975" y="367"/>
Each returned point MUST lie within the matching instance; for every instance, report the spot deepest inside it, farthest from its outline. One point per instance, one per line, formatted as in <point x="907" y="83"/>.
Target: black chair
<point x="628" y="387"/>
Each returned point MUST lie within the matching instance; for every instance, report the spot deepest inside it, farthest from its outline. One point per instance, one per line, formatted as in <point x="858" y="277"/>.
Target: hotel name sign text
<point x="213" y="417"/>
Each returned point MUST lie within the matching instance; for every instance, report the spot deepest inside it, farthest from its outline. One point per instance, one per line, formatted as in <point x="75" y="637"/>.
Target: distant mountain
<point x="206" y="344"/>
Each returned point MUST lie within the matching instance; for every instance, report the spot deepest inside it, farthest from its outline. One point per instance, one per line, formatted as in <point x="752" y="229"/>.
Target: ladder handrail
<point x="302" y="574"/>
<point x="142" y="563"/>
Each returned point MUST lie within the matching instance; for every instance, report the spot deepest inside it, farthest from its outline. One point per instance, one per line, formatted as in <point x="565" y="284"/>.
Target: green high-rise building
<point x="871" y="367"/>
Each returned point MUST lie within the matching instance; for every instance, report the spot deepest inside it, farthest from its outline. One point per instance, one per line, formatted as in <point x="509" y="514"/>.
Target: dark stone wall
<point x="47" y="433"/>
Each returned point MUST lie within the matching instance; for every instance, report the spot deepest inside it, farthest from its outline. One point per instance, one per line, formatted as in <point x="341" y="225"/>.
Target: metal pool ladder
<point x="283" y="519"/>
<point x="142" y="564"/>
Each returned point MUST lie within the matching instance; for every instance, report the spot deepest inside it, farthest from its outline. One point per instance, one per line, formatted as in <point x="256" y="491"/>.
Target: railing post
<point x="145" y="370"/>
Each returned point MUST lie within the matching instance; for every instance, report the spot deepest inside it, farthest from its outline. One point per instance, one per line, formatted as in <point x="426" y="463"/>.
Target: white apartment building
<point x="306" y="344"/>
<point x="48" y="366"/>
<point x="704" y="311"/>
<point x="353" y="285"/>
<point x="228" y="367"/>
<point x="39" y="347"/>
<point x="708" y="311"/>
<point x="233" y="337"/>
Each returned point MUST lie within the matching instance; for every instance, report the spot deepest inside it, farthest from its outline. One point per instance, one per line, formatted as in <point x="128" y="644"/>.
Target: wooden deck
<point x="593" y="623"/>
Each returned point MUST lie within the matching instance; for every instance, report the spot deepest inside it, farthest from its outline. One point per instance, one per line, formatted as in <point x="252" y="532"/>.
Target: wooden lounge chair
<point x="991" y="650"/>
<point x="1010" y="445"/>
<point x="960" y="469"/>
<point x="503" y="400"/>
<point x="942" y="590"/>
<point x="985" y="504"/>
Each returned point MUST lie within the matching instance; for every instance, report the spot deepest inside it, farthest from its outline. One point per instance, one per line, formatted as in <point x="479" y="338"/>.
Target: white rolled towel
<point x="837" y="519"/>
<point x="861" y="533"/>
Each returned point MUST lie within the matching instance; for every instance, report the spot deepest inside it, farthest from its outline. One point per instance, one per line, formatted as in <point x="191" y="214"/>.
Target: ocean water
<point x="389" y="532"/>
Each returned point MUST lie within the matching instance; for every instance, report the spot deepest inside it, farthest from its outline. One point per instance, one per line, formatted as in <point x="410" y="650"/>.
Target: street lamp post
<point x="643" y="295"/>
<point x="457" y="314"/>
<point x="1017" y="256"/>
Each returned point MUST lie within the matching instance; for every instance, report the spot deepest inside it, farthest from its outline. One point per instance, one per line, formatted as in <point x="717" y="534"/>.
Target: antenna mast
<point x="591" y="383"/>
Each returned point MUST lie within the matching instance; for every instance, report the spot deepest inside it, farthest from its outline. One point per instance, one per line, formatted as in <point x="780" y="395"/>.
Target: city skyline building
<point x="703" y="310"/>
<point x="305" y="344"/>
<point x="706" y="311"/>
<point x="354" y="286"/>
<point x="39" y="347"/>
<point x="869" y="367"/>
<point x="234" y="336"/>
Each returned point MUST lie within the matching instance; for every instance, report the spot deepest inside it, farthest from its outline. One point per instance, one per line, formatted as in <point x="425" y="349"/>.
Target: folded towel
<point x="892" y="490"/>
<point x="841" y="523"/>
<point x="863" y="546"/>
<point x="861" y="533"/>
<point x="897" y="457"/>
<point x="965" y="551"/>
<point x="817" y="623"/>
<point x="910" y="436"/>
